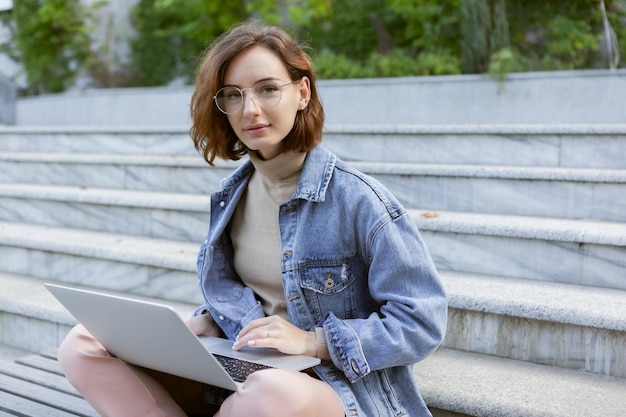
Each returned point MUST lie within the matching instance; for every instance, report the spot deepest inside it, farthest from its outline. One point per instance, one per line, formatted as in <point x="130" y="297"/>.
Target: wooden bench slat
<point x="46" y="397"/>
<point x="38" y="377"/>
<point x="5" y="414"/>
<point x="50" y="354"/>
<point x="40" y="362"/>
<point x="24" y="407"/>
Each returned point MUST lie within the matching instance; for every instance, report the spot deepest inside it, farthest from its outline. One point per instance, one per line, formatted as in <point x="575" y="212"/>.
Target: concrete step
<point x="152" y="267"/>
<point x="519" y="190"/>
<point x="31" y="319"/>
<point x="141" y="213"/>
<point x="163" y="214"/>
<point x="578" y="252"/>
<point x="574" y="193"/>
<point x="145" y="172"/>
<point x="569" y="326"/>
<point x="589" y="146"/>
<point x="460" y="384"/>
<point x="139" y="140"/>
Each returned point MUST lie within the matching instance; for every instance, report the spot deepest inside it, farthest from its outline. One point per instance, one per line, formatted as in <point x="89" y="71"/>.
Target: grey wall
<point x="595" y="97"/>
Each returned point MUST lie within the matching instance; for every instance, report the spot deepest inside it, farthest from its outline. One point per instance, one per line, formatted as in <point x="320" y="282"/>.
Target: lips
<point x="256" y="129"/>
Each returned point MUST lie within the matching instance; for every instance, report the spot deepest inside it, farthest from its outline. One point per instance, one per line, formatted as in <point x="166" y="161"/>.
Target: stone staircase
<point x="527" y="225"/>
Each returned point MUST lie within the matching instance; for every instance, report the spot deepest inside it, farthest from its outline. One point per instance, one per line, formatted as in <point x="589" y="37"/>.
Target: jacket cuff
<point x="203" y="309"/>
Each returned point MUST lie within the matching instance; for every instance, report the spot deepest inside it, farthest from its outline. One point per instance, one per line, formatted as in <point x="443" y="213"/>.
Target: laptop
<point x="153" y="336"/>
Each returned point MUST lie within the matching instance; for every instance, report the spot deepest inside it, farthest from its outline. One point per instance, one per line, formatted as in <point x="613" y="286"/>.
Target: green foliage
<point x="50" y="38"/>
<point x="337" y="66"/>
<point x="427" y="25"/>
<point x="571" y="42"/>
<point x="350" y="29"/>
<point x="377" y="38"/>
<point x="288" y="13"/>
<point x="561" y="35"/>
<point x="438" y="62"/>
<point x="353" y="38"/>
<point x="394" y="64"/>
<point x="172" y="33"/>
<point x="397" y="63"/>
<point x="400" y="63"/>
<point x="502" y="63"/>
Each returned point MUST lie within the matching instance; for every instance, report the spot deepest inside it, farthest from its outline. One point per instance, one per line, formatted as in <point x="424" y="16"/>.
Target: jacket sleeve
<point x="412" y="316"/>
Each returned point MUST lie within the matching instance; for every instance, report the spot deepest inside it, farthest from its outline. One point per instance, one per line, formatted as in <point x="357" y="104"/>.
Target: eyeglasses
<point x="266" y="94"/>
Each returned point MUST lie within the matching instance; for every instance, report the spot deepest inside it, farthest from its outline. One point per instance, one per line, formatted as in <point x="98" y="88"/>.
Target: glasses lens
<point x="229" y="99"/>
<point x="267" y="93"/>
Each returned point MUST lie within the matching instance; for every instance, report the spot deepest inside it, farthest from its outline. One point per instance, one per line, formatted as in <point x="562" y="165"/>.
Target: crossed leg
<point x="117" y="389"/>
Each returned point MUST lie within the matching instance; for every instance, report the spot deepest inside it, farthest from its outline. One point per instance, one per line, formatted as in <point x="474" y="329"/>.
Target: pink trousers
<point x="117" y="389"/>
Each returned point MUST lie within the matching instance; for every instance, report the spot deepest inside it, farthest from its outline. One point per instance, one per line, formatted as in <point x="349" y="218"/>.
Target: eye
<point x="266" y="89"/>
<point x="231" y="94"/>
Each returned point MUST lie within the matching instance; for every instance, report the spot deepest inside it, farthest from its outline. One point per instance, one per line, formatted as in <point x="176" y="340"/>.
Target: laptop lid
<point x="153" y="336"/>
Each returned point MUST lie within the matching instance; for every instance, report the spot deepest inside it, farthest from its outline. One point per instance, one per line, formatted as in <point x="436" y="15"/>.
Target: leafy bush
<point x="501" y="63"/>
<point x="50" y="38"/>
<point x="438" y="62"/>
<point x="172" y="34"/>
<point x="333" y="66"/>
<point x="398" y="63"/>
<point x="572" y="43"/>
<point x="354" y="38"/>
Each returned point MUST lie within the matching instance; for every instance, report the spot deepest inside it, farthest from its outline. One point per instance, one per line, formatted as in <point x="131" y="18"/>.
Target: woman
<point x="304" y="255"/>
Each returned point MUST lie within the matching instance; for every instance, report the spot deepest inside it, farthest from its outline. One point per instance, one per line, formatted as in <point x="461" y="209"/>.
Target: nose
<point x="250" y="106"/>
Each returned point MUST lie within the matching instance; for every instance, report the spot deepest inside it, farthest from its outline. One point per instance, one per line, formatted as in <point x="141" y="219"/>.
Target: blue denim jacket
<point x="352" y="262"/>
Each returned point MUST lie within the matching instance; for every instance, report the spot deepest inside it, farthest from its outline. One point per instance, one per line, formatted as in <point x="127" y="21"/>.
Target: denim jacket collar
<point x="314" y="179"/>
<point x="316" y="174"/>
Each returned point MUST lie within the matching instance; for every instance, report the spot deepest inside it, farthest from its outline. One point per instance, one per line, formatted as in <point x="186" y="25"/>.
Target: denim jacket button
<point x="222" y="204"/>
<point x="221" y="317"/>
<point x="330" y="282"/>
<point x="355" y="367"/>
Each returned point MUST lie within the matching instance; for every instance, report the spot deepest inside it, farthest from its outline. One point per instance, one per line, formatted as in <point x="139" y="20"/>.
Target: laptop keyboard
<point x="239" y="369"/>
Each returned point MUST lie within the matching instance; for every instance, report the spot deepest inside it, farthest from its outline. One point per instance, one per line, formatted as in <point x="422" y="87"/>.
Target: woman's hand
<point x="203" y="325"/>
<point x="276" y="332"/>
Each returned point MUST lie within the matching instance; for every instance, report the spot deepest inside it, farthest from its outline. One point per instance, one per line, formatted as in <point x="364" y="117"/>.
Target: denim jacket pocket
<point x="381" y="390"/>
<point x="329" y="287"/>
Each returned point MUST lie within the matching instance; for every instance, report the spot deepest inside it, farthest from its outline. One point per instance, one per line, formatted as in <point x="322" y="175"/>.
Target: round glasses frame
<point x="267" y="94"/>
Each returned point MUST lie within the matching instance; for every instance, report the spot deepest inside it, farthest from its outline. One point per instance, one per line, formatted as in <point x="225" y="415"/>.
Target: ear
<point x="304" y="88"/>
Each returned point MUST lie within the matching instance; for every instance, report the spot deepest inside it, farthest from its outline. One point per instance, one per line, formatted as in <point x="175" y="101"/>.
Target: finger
<point x="257" y="337"/>
<point x="195" y="325"/>
<point x="253" y="326"/>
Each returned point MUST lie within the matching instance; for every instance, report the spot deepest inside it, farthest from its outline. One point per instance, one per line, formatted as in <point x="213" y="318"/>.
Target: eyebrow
<point x="255" y="83"/>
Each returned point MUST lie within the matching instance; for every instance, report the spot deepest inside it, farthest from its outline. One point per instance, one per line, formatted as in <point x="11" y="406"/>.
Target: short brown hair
<point x="211" y="132"/>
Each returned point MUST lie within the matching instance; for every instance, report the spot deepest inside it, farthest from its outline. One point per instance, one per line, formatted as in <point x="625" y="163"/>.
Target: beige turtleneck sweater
<point x="254" y="228"/>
